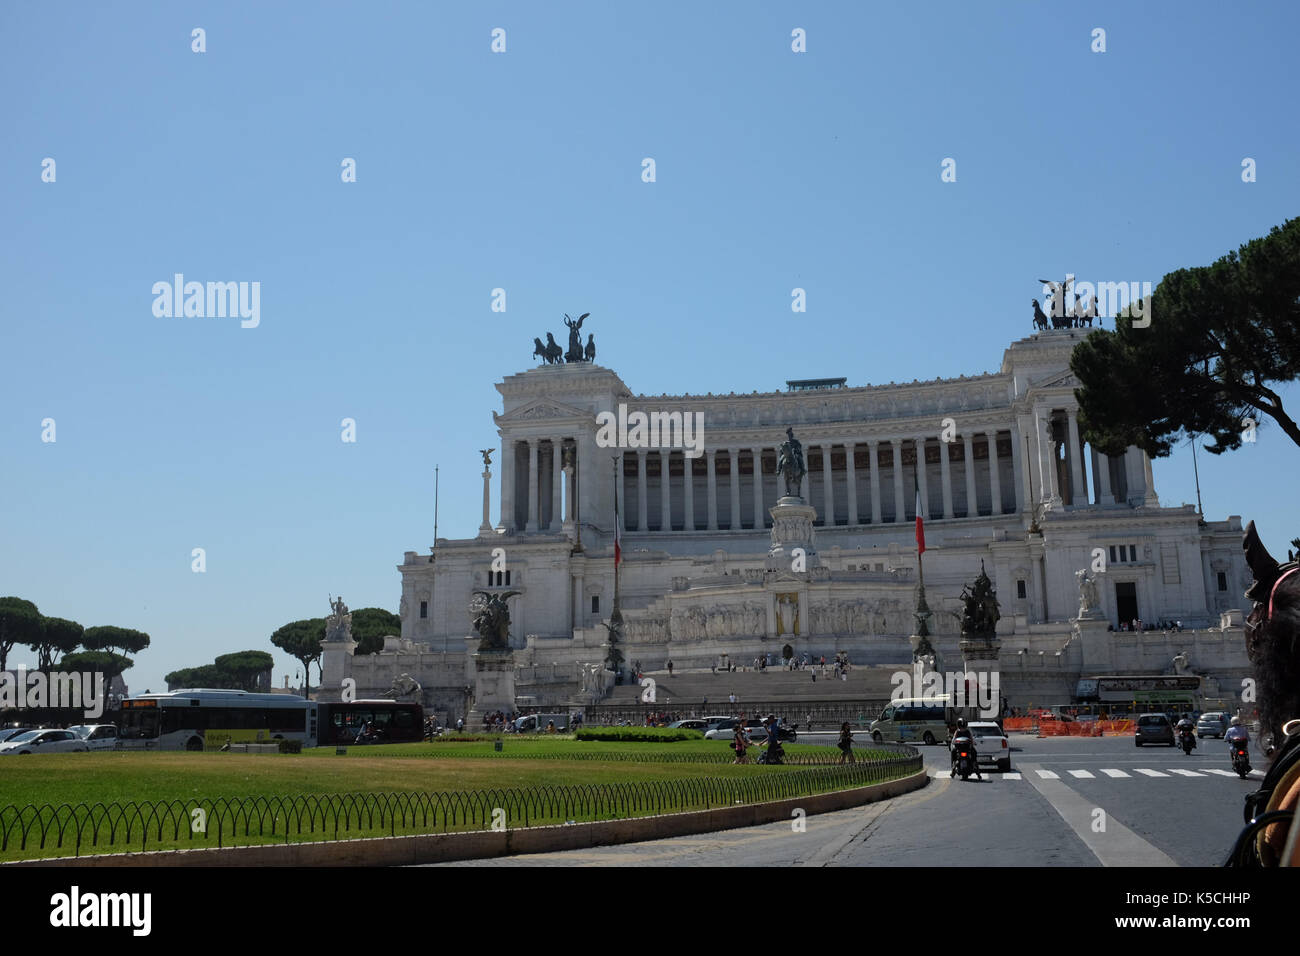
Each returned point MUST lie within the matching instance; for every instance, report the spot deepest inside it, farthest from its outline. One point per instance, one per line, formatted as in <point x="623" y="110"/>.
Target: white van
<point x="536" y="723"/>
<point x="915" y="720"/>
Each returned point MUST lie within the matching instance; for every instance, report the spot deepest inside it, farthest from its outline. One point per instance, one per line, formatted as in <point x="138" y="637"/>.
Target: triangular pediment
<point x="542" y="409"/>
<point x="1062" y="380"/>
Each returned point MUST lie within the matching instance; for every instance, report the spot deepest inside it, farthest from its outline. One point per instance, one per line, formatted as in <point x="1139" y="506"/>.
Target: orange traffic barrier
<point x="1085" y="728"/>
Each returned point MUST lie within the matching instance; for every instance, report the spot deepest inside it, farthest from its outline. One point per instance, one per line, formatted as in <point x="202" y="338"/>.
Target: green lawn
<point x="255" y="792"/>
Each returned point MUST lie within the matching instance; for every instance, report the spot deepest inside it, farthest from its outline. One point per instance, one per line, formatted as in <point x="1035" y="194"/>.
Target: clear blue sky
<point x="522" y="171"/>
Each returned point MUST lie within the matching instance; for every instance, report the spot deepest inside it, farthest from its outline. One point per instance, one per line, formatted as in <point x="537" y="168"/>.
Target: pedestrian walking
<point x="846" y="743"/>
<point x="740" y="743"/>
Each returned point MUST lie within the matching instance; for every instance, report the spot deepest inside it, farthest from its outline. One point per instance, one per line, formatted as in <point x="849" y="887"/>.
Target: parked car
<point x="1154" y="729"/>
<point x="726" y="729"/>
<point x="9" y="733"/>
<point x="97" y="736"/>
<point x="1212" y="724"/>
<point x="43" y="742"/>
<point x="693" y="723"/>
<point x="991" y="744"/>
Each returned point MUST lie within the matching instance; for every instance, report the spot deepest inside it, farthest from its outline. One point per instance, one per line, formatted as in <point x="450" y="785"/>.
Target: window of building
<point x="424" y="609"/>
<point x="1113" y="559"/>
<point x="1132" y="552"/>
<point x="1223" y="581"/>
<point x="1021" y="593"/>
<point x="595" y="604"/>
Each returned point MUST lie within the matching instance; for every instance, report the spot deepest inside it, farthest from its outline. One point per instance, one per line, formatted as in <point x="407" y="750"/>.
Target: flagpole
<point x="617" y="525"/>
<point x="920" y="551"/>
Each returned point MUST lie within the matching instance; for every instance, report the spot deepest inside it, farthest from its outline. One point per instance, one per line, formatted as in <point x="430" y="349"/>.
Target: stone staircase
<point x="772" y="684"/>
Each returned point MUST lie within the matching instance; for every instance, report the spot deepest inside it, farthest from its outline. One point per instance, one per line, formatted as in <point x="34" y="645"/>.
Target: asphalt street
<point x="1066" y="802"/>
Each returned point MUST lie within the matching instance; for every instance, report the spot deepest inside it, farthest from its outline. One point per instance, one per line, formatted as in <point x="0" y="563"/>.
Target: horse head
<point x="1262" y="565"/>
<point x="1271" y="633"/>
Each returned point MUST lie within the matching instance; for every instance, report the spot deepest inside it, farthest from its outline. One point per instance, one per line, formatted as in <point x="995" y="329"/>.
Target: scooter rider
<point x="1237" y="733"/>
<point x="963" y="733"/>
<point x="1186" y="727"/>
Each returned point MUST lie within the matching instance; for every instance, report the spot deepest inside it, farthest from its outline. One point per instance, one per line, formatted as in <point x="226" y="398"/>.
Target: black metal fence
<point x="68" y="829"/>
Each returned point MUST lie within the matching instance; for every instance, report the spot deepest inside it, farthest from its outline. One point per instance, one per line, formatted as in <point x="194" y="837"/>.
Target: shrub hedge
<point x="638" y="734"/>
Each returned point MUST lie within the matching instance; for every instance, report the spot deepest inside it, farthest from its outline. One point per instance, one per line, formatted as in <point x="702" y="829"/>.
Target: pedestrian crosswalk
<point x="1109" y="772"/>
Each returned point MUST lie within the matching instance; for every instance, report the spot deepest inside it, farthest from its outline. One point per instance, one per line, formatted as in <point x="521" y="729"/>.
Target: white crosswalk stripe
<point x="1109" y="772"/>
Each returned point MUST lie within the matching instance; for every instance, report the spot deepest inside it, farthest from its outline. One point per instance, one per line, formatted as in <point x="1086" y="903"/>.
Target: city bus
<point x="186" y="719"/>
<point x="204" y="719"/>
<point x="394" y="721"/>
<point x="1135" y="693"/>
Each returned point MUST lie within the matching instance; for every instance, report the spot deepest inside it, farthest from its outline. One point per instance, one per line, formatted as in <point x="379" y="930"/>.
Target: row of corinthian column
<point x="1057" y="463"/>
<point x="638" y="519"/>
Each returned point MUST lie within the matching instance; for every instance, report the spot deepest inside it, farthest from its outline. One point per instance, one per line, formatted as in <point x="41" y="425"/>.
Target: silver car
<point x="43" y="742"/>
<point x="1212" y="724"/>
<point x="97" y="736"/>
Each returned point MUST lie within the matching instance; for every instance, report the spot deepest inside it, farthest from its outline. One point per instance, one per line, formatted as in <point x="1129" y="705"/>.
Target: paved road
<point x="1067" y="802"/>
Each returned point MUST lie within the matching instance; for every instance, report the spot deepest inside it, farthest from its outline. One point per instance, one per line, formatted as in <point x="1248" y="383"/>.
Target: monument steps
<point x="863" y="683"/>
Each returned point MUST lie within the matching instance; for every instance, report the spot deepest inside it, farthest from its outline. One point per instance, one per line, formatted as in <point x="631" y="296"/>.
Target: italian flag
<point x="920" y="527"/>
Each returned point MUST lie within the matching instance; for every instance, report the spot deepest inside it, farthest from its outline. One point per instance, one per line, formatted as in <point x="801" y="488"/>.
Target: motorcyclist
<point x="963" y="733"/>
<point x="1237" y="733"/>
<point x="1186" y="727"/>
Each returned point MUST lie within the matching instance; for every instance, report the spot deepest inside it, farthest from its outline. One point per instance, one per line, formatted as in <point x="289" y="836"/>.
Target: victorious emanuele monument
<point x="724" y="559"/>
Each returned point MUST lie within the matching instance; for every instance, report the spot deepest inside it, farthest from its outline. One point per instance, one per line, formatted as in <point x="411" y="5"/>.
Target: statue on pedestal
<point x="491" y="617"/>
<point x="405" y="686"/>
<point x="338" y="626"/>
<point x="575" y="352"/>
<point x="614" y="654"/>
<point x="1089" y="601"/>
<point x="790" y="464"/>
<point x="980" y="614"/>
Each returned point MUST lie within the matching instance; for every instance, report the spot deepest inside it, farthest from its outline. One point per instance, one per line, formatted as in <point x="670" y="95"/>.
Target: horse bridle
<point x="1261" y="615"/>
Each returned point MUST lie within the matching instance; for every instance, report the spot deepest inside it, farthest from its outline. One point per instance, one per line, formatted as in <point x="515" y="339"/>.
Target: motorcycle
<point x="1186" y="740"/>
<point x="374" y="737"/>
<point x="963" y="760"/>
<point x="1240" y="760"/>
<point x="772" y="755"/>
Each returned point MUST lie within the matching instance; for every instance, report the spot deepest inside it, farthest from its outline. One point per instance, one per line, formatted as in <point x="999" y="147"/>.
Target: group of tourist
<point x="1137" y="625"/>
<point x="661" y="719"/>
<point x="499" y="722"/>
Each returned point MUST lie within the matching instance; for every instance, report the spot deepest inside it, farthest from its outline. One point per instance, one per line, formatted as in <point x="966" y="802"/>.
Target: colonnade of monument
<point x="1063" y="467"/>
